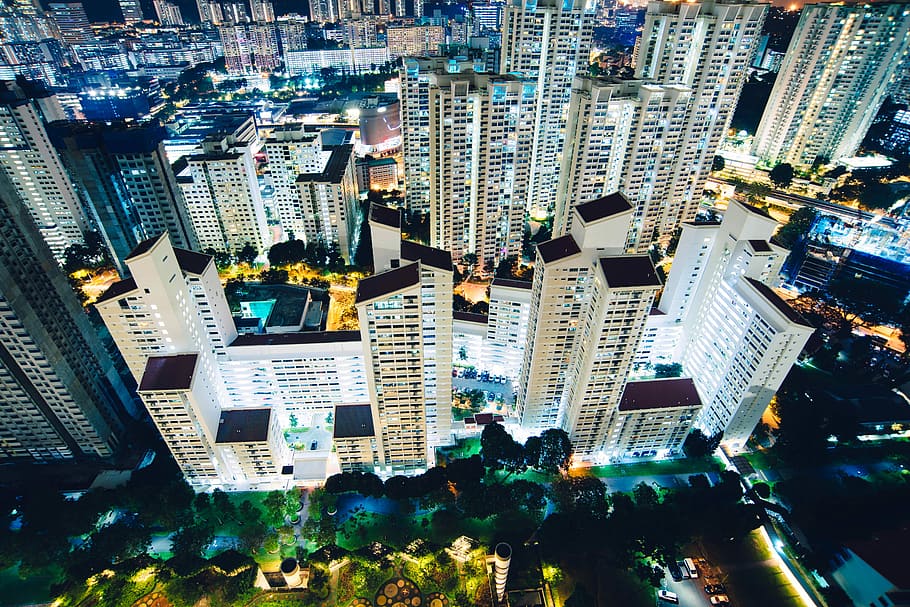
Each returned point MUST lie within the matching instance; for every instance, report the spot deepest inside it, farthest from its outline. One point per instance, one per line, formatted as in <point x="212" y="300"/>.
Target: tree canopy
<point x="781" y="175"/>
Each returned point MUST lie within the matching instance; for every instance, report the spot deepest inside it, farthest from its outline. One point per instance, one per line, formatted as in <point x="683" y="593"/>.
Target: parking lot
<point x="691" y="592"/>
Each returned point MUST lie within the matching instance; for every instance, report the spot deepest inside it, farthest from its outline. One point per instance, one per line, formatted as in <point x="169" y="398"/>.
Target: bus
<point x="690" y="567"/>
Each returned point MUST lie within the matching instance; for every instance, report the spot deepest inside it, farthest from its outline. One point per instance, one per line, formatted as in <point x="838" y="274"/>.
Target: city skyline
<point x="328" y="298"/>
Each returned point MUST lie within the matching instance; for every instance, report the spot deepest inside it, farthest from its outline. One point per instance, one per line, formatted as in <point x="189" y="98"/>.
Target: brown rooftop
<point x="299" y="337"/>
<point x="612" y="204"/>
<point x="353" y="421"/>
<point x="388" y="282"/>
<point x="386" y="216"/>
<point x="509" y="282"/>
<point x="144" y="246"/>
<point x="558" y="248"/>
<point x="118" y="289"/>
<point x="470" y="317"/>
<point x="760" y="246"/>
<point x="659" y="394"/>
<point x="243" y="426"/>
<point x="164" y="373"/>
<point x="629" y="271"/>
<point x="437" y="258"/>
<point x="191" y="261"/>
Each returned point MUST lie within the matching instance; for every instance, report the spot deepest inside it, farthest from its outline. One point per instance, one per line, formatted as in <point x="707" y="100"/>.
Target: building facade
<point x="549" y="43"/>
<point x="836" y="73"/>
<point x="706" y="47"/>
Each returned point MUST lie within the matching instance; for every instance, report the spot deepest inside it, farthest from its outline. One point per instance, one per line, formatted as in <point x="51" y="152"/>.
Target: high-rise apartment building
<point x="707" y="47"/>
<point x="33" y="166"/>
<point x="72" y="22"/>
<point x="123" y="175"/>
<point x="739" y="338"/>
<point x="221" y="189"/>
<point x="292" y="150"/>
<point x="414" y="40"/>
<point x="549" y="43"/>
<point x="131" y="11"/>
<point x="507" y="325"/>
<point x="262" y="11"/>
<point x="477" y="130"/>
<point x="329" y="201"/>
<point x="292" y="34"/>
<point x="168" y="13"/>
<point x="835" y="75"/>
<point x="325" y="11"/>
<point x="250" y="48"/>
<point x="589" y="302"/>
<point x="406" y="321"/>
<point x="625" y="136"/>
<point x="62" y="397"/>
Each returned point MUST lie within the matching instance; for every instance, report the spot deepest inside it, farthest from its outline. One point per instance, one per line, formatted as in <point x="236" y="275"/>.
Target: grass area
<point x="658" y="468"/>
<point x="752" y="578"/>
<point x="463" y="448"/>
<point x="16" y="591"/>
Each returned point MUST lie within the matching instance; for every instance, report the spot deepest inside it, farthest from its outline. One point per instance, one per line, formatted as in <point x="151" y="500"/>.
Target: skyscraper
<point x="221" y="188"/>
<point x="168" y="13"/>
<point x="624" y="136"/>
<point x="740" y="339"/>
<point x="72" y="22"/>
<point x="479" y="132"/>
<point x="547" y="42"/>
<point x="406" y="322"/>
<point x="131" y="10"/>
<point x="33" y="166"/>
<point x="705" y="46"/>
<point x="62" y="398"/>
<point x="836" y="73"/>
<point x="122" y="173"/>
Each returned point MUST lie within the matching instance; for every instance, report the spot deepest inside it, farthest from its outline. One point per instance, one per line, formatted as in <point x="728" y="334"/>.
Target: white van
<point x="666" y="595"/>
<point x="690" y="567"/>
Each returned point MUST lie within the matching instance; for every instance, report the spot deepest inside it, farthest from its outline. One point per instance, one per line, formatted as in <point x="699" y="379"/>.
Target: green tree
<point x="247" y="254"/>
<point x="555" y="451"/>
<point x="499" y="450"/>
<point x="669" y="370"/>
<point x="697" y="444"/>
<point x="192" y="540"/>
<point x="781" y="175"/>
<point x="797" y="227"/>
<point x="718" y="164"/>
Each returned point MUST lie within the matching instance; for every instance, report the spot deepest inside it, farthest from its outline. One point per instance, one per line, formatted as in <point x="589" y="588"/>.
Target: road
<point x="796" y="201"/>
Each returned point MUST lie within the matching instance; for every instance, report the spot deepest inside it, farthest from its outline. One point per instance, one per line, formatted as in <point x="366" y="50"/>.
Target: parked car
<point x="666" y="595"/>
<point x="720" y="599"/>
<point x="715" y="588"/>
<point x="675" y="572"/>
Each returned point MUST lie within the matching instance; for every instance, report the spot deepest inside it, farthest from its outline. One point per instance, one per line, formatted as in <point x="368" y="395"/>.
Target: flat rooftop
<point x="629" y="271"/>
<point x="353" y="421"/>
<point x="659" y="394"/>
<point x="437" y="258"/>
<point x="290" y="302"/>
<point x="608" y="206"/>
<point x="558" y="248"/>
<point x="388" y="282"/>
<point x="164" y="373"/>
<point x="384" y="215"/>
<point x="512" y="283"/>
<point x="243" y="426"/>
<point x="297" y="337"/>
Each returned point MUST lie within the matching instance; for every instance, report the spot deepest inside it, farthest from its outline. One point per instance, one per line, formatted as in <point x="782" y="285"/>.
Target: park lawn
<point x="753" y="579"/>
<point x="463" y="448"/>
<point x="657" y="468"/>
